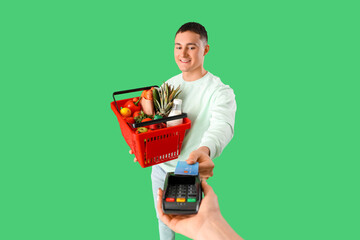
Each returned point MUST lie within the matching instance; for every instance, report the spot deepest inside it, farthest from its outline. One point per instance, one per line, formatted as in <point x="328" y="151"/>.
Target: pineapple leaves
<point x="164" y="97"/>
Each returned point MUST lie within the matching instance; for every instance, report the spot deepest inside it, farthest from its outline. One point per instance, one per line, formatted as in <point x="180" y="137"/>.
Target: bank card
<point x="183" y="168"/>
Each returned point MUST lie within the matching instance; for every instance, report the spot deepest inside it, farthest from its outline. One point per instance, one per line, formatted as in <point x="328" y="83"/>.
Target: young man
<point x="209" y="104"/>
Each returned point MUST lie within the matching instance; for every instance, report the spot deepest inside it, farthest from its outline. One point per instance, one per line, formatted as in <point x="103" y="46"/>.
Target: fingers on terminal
<point x="206" y="187"/>
<point x="165" y="218"/>
<point x="159" y="197"/>
<point x="159" y="194"/>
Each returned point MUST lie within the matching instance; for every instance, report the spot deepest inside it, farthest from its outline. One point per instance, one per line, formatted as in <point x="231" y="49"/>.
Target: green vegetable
<point x="141" y="117"/>
<point x="157" y="117"/>
<point x="156" y="95"/>
<point x="141" y="130"/>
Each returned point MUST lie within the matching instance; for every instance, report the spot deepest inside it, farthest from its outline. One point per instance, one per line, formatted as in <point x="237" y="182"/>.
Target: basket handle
<point x="161" y="120"/>
<point x="129" y="91"/>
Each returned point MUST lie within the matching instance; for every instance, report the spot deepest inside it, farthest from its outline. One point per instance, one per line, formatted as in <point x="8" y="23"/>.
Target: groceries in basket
<point x="153" y="104"/>
<point x="143" y="123"/>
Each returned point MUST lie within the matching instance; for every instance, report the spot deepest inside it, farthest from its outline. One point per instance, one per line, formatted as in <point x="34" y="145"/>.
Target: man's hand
<point x="131" y="152"/>
<point x="206" y="165"/>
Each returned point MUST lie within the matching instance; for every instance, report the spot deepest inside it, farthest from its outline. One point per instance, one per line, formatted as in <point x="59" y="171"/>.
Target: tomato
<point x="132" y="106"/>
<point x="136" y="114"/>
<point x="146" y="120"/>
<point x="130" y="120"/>
<point x="154" y="126"/>
<point x="125" y="112"/>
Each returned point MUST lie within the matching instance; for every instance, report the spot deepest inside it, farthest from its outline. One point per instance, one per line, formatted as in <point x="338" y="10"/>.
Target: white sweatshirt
<point x="211" y="107"/>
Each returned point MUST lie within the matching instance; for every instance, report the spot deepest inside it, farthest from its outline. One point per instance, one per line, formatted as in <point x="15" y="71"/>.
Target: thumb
<point x="206" y="187"/>
<point x="193" y="157"/>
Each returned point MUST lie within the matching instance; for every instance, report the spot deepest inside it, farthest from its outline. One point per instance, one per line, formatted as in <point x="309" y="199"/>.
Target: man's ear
<point x="207" y="48"/>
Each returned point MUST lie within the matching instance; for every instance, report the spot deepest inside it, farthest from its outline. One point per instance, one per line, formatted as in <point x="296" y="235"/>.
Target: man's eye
<point x="178" y="47"/>
<point x="192" y="48"/>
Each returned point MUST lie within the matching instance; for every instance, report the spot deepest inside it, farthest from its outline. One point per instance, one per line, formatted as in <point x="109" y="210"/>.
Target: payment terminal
<point x="182" y="193"/>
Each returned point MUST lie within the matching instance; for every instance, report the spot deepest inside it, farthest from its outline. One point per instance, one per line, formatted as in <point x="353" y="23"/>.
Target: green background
<point x="290" y="172"/>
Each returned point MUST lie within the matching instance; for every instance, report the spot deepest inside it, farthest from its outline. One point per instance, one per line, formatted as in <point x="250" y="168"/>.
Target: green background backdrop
<point x="290" y="172"/>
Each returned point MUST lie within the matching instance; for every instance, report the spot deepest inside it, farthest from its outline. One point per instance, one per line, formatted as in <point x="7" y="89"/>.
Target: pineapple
<point x="163" y="99"/>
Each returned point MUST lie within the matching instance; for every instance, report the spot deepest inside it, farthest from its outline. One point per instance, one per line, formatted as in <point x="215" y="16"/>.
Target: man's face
<point x="189" y="51"/>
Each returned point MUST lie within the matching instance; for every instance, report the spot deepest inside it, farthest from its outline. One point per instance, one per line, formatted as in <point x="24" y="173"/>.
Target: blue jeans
<point x="158" y="179"/>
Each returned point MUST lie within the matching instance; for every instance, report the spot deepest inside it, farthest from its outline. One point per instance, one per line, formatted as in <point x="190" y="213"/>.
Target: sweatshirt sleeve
<point x="221" y="129"/>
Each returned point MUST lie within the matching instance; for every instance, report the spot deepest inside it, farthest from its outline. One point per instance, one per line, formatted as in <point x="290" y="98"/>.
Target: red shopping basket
<point x="153" y="147"/>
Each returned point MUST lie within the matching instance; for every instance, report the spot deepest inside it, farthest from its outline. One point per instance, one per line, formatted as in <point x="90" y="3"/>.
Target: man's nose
<point x="184" y="52"/>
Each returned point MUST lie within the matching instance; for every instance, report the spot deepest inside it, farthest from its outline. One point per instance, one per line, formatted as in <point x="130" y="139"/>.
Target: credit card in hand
<point x="183" y="168"/>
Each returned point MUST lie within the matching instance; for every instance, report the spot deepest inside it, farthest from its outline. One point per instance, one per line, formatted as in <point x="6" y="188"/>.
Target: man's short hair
<point x="196" y="28"/>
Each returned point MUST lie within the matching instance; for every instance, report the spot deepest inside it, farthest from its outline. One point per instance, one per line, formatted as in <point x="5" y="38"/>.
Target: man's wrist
<point x="205" y="150"/>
